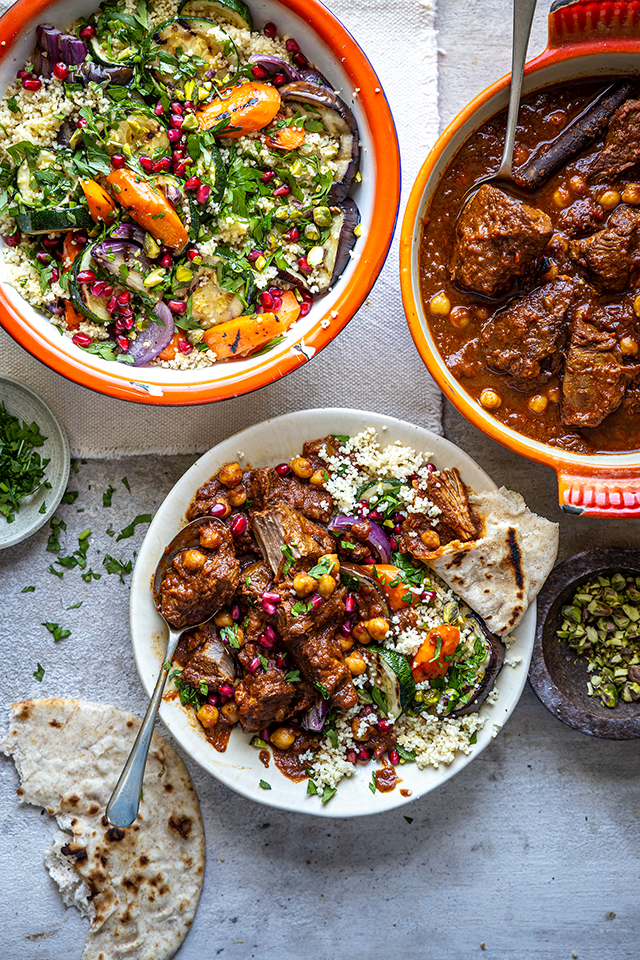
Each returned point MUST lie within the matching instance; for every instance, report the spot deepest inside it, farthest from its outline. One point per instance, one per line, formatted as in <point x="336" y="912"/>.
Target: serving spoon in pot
<point x="123" y="806"/>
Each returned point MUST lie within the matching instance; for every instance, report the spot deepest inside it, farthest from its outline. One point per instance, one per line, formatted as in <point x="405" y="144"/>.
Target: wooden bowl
<point x="557" y="674"/>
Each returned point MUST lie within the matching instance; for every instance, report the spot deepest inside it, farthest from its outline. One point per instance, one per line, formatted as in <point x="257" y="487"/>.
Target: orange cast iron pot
<point x="587" y="38"/>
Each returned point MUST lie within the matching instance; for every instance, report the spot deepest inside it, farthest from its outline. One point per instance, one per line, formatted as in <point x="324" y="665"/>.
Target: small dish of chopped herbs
<point x="34" y="462"/>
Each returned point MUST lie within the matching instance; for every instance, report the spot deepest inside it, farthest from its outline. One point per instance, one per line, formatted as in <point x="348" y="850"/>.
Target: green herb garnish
<point x="22" y="469"/>
<point x="56" y="631"/>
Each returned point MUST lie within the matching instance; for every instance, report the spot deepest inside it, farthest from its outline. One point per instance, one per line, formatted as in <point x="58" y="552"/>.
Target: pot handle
<point x="577" y="21"/>
<point x="600" y="493"/>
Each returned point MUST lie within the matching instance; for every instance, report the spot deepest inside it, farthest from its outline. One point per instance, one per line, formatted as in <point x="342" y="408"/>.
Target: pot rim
<point x="123" y="383"/>
<point x="555" y="457"/>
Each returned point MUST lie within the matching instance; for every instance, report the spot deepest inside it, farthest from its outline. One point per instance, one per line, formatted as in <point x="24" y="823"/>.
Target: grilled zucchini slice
<point x="139" y="134"/>
<point x="210" y="304"/>
<point x="231" y="11"/>
<point x="199" y="45"/>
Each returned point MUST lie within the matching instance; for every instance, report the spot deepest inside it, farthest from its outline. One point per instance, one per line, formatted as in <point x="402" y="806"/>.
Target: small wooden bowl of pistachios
<point x="586" y="658"/>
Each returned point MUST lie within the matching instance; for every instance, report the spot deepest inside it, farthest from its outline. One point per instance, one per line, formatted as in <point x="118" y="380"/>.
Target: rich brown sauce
<point x="264" y="757"/>
<point x="387" y="779"/>
<point x="542" y="116"/>
<point x="218" y="736"/>
<point x="404" y="792"/>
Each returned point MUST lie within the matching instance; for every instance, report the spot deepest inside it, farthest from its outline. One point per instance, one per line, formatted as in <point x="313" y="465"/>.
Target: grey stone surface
<point x="531" y="850"/>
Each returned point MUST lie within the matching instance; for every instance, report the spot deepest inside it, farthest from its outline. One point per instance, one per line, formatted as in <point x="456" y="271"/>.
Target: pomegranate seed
<point x="97" y="288"/>
<point x="81" y="339"/>
<point x="275" y="291"/>
<point x="60" y="70"/>
<point x="119" y="325"/>
<point x="269" y="608"/>
<point x="185" y="347"/>
<point x="80" y="239"/>
<point x="193" y="183"/>
<point x="176" y="155"/>
<point x="282" y="191"/>
<point x="180" y="168"/>
<point x="316" y="602"/>
<point x="270" y="30"/>
<point x="305" y="306"/>
<point x="176" y="122"/>
<point x="225" y="690"/>
<point x="32" y="84"/>
<point x="86" y="276"/>
<point x="271" y="596"/>
<point x="253" y="665"/>
<point x="177" y="306"/>
<point x="364" y="755"/>
<point x="161" y="166"/>
<point x="55" y="274"/>
<point x="12" y="239"/>
<point x="146" y="163"/>
<point x="235" y="612"/>
<point x="166" y="261"/>
<point x="352" y="756"/>
<point x="213" y="699"/>
<point x="117" y="161"/>
<point x="193" y="254"/>
<point x="259" y="72"/>
<point x="238" y="525"/>
<point x="253" y="255"/>
<point x="125" y="312"/>
<point x="266" y="300"/>
<point x="158" y="109"/>
<point x="278" y="79"/>
<point x="189" y="105"/>
<point x="384" y="725"/>
<point x="269" y="175"/>
<point x="300" y="60"/>
<point x="350" y="602"/>
<point x="428" y="596"/>
<point x="303" y="264"/>
<point x="81" y="123"/>
<point x="292" y="235"/>
<point x="394" y="757"/>
<point x="50" y="243"/>
<point x="346" y="628"/>
<point x="123" y="298"/>
<point x="43" y="257"/>
<point x="128" y="322"/>
<point x="189" y="161"/>
<point x="277" y="303"/>
<point x="280" y="660"/>
<point x="87" y="32"/>
<point x="270" y="633"/>
<point x="374" y="515"/>
<point x="264" y="641"/>
<point x="108" y="291"/>
<point x="177" y="108"/>
<point x="113" y="303"/>
<point x="203" y="193"/>
<point x="123" y="343"/>
<point x="265" y="734"/>
<point x="218" y="510"/>
<point x="292" y="45"/>
<point x="173" y="135"/>
<point x="306" y="295"/>
<point x="23" y="74"/>
<point x="283" y="469"/>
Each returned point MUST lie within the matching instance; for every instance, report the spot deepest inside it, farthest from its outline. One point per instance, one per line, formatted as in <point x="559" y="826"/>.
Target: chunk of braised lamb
<point x="419" y="537"/>
<point x="254" y="624"/>
<point x="454" y="519"/>
<point x="595" y="376"/>
<point x="497" y="239"/>
<point x="621" y="146"/>
<point x="612" y="255"/>
<point x="281" y="526"/>
<point x="206" y="495"/>
<point x="368" y="606"/>
<point x="201" y="581"/>
<point x="318" y="656"/>
<point x="255" y="579"/>
<point x="524" y="340"/>
<point x="580" y="218"/>
<point x="209" y="662"/>
<point x="263" y="697"/>
<point x="266" y="487"/>
<point x="317" y="451"/>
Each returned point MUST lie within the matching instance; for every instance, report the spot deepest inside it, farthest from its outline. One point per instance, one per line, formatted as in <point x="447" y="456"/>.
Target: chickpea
<point x="193" y="560"/>
<point x="360" y="633"/>
<point x="636" y="306"/>
<point x="357" y="664"/>
<point x="609" y="199"/>
<point x="490" y="400"/>
<point x="561" y="197"/>
<point x="538" y="403"/>
<point x="223" y="619"/>
<point x="440" y="305"/>
<point x="330" y="560"/>
<point x="430" y="539"/>
<point x="318" y="478"/>
<point x="229" y="711"/>
<point x="629" y="347"/>
<point x="210" y="537"/>
<point x="303" y="584"/>
<point x="553" y="393"/>
<point x="578" y="185"/>
<point x="520" y="155"/>
<point x="301" y="467"/>
<point x="237" y="496"/>
<point x="558" y="119"/>
<point x="557" y="244"/>
<point x="208" y="715"/>
<point x="326" y="586"/>
<point x="346" y="643"/>
<point x="361" y="729"/>
<point x="378" y="628"/>
<point x="631" y="194"/>
<point x="231" y="475"/>
<point x="283" y="737"/>
<point x="460" y="317"/>
<point x="482" y="313"/>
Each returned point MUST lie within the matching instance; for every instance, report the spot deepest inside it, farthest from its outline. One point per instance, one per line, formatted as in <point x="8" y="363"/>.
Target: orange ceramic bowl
<point x="587" y="38"/>
<point x="337" y="55"/>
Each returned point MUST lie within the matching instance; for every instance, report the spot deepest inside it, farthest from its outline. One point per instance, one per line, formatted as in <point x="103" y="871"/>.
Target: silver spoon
<point x="123" y="806"/>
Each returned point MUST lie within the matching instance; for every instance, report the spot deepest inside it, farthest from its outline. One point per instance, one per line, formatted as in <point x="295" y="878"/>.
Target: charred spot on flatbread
<point x="74" y="850"/>
<point x="114" y="834"/>
<point x="516" y="557"/>
<point x="181" y="825"/>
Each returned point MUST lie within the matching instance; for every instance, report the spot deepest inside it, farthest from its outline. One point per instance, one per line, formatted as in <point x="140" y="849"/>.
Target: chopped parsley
<point x="409" y="819"/>
<point x="289" y="559"/>
<point x="56" y="526"/>
<point x="323" y="690"/>
<point x="263" y="660"/>
<point x="107" y="495"/>
<point x="301" y="607"/>
<point x="372" y="783"/>
<point x="56" y="631"/>
<point x="126" y="484"/>
<point x="293" y="676"/>
<point x="230" y="635"/>
<point x="39" y="673"/>
<point x="27" y="590"/>
<point x="70" y="496"/>
<point x="265" y="785"/>
<point x="323" y="568"/>
<point x="116" y="566"/>
<point x="22" y="469"/>
<point x="474" y="737"/>
<point x="129" y="530"/>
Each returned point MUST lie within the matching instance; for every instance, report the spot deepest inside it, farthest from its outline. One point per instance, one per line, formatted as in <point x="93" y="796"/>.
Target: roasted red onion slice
<point x="152" y="341"/>
<point x="128" y="231"/>
<point x="314" y="719"/>
<point x="377" y="539"/>
<point x="275" y="65"/>
<point x="112" y="254"/>
<point x="52" y="46"/>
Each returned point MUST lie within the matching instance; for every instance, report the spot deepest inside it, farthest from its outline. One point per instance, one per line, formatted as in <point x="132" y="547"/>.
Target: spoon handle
<point x="523" y="11"/>
<point x="123" y="806"/>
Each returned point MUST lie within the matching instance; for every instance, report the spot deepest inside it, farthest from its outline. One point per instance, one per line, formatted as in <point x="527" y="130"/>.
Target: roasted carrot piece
<point x="289" y="311"/>
<point x="392" y="587"/>
<point x="250" y="106"/>
<point x="433" y="659"/>
<point x="235" y="338"/>
<point x="169" y="351"/>
<point x="149" y="207"/>
<point x="287" y="138"/>
<point x="70" y="250"/>
<point x="101" y="206"/>
<point x="72" y="317"/>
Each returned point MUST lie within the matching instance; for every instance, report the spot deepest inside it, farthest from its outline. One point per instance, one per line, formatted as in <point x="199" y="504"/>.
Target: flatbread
<point x="139" y="886"/>
<point x="500" y="574"/>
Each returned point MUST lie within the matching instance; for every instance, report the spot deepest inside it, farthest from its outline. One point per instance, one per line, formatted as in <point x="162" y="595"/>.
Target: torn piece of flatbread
<point x="139" y="886"/>
<point x="500" y="574"/>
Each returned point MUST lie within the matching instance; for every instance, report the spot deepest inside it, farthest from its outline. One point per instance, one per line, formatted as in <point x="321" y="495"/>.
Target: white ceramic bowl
<point x="239" y="767"/>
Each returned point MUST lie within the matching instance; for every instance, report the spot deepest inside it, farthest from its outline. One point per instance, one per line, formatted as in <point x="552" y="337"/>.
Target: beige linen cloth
<point x="372" y="365"/>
